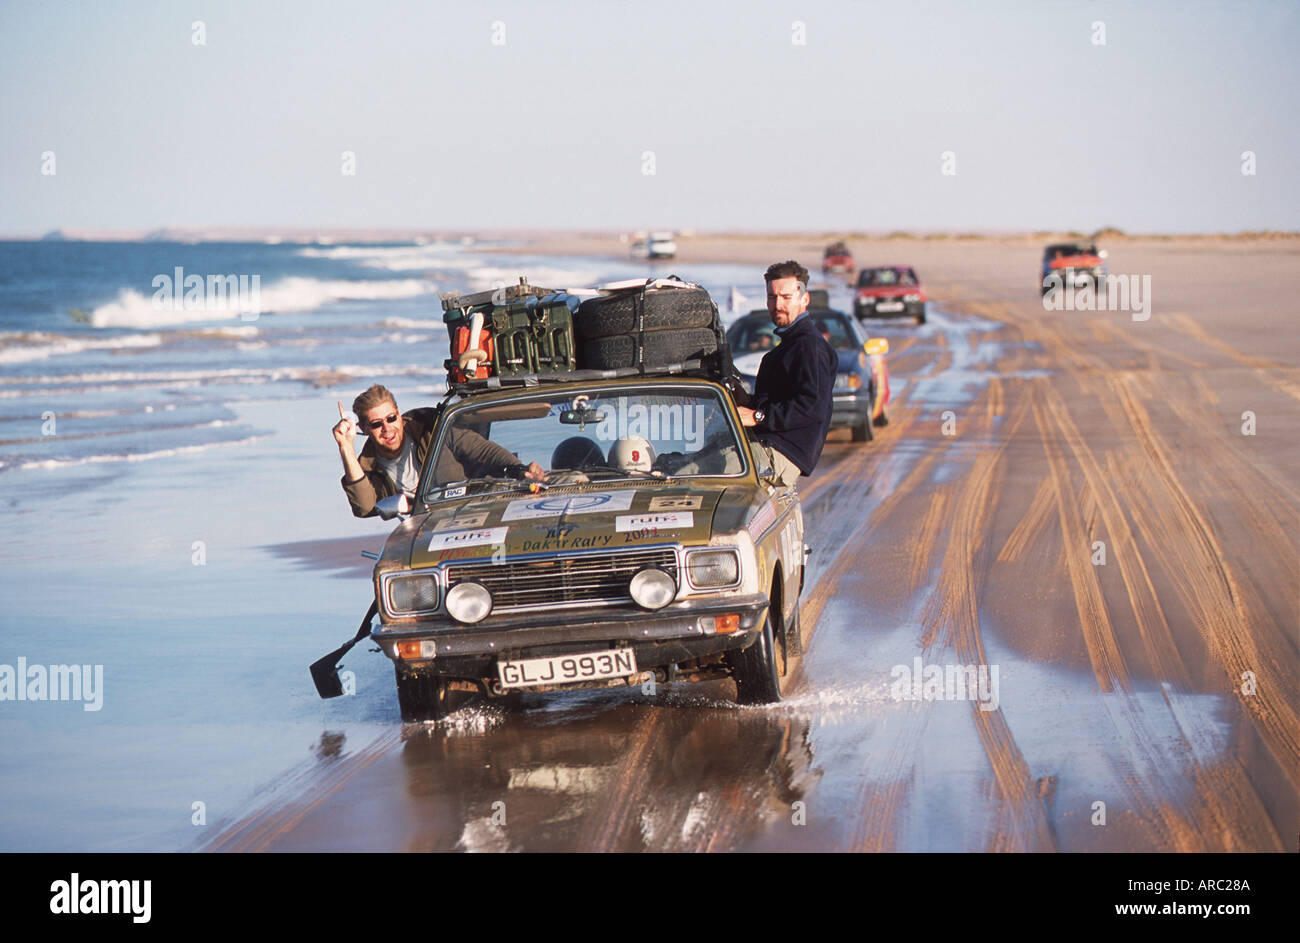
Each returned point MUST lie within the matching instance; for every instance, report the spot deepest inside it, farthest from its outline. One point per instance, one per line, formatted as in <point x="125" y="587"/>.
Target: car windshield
<point x="871" y="278"/>
<point x="595" y="435"/>
<point x="1059" y="252"/>
<point x="749" y="337"/>
<point x="838" y="333"/>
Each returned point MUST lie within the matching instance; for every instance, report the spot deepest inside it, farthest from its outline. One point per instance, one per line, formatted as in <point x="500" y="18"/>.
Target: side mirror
<point x="395" y="505"/>
<point x="877" y="345"/>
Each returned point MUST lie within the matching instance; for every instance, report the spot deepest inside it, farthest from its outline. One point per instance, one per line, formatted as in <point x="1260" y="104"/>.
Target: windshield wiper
<point x="619" y="472"/>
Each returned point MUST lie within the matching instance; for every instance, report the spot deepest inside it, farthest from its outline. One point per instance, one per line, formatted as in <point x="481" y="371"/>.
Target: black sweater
<point x="795" y="388"/>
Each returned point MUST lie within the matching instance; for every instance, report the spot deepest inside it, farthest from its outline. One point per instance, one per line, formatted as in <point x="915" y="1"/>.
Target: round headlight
<point x="469" y="602"/>
<point x="652" y="588"/>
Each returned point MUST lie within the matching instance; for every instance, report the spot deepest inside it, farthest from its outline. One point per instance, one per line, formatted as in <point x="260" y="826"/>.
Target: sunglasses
<point x="376" y="423"/>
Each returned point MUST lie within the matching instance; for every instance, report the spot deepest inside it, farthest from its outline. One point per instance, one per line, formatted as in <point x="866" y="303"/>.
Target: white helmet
<point x="632" y="453"/>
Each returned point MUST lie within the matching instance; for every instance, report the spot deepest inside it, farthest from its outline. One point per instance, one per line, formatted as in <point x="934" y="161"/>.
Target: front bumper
<point x="849" y="408"/>
<point x="869" y="309"/>
<point x="678" y="632"/>
<point x="1074" y="277"/>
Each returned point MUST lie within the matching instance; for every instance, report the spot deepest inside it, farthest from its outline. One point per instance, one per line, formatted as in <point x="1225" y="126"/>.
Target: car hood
<point x="747" y="364"/>
<point x="561" y="519"/>
<point x="851" y="361"/>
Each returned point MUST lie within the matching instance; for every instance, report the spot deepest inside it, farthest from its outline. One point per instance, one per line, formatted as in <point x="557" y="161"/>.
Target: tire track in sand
<point x="1227" y="794"/>
<point x="952" y="618"/>
<point x="1186" y="544"/>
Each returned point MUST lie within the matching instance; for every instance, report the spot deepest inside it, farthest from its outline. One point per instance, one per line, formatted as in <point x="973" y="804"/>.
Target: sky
<point x="810" y="115"/>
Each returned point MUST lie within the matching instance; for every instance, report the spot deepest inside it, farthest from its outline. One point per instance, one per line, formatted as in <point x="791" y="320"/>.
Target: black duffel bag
<point x="654" y="324"/>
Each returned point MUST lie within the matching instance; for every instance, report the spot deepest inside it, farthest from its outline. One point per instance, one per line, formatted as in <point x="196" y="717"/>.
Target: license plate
<point x="566" y="669"/>
<point x="890" y="306"/>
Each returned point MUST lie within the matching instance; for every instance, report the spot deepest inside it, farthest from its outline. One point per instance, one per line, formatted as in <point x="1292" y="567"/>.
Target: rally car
<point x="890" y="291"/>
<point x="657" y="549"/>
<point x="838" y="260"/>
<point x="1072" y="265"/>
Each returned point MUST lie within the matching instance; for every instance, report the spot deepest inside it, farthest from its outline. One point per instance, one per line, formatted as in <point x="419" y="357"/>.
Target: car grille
<point x="580" y="578"/>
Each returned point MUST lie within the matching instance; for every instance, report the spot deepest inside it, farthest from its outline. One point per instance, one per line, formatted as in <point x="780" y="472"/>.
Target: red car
<point x="890" y="291"/>
<point x="1073" y="264"/>
<point x="838" y="260"/>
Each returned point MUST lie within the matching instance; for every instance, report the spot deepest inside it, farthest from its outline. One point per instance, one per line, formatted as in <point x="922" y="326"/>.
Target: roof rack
<point x="531" y="380"/>
<point x="503" y="295"/>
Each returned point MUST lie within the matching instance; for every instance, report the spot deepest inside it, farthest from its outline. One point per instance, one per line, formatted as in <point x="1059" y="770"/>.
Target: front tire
<point x="862" y="429"/>
<point x="756" y="669"/>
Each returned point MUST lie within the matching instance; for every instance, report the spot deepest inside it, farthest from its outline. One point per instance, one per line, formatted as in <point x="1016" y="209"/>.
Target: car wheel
<point x="423" y="697"/>
<point x="920" y="318"/>
<point x="862" y="429"/>
<point x="756" y="669"/>
<point x="794" y="631"/>
<point x="882" y="419"/>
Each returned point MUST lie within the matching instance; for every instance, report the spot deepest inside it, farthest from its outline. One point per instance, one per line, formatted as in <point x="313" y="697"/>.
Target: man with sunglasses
<point x="398" y="443"/>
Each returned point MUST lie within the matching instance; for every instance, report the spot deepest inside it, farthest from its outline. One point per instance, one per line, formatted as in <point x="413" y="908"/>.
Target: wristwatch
<point x="759" y="415"/>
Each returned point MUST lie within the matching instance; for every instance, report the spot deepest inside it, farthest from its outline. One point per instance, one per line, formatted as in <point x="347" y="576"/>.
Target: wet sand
<point x="1068" y="496"/>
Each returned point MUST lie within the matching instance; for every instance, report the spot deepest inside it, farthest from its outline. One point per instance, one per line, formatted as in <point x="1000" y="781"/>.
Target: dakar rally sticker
<point x="468" y="538"/>
<point x="529" y="508"/>
<point x="676" y="502"/>
<point x="661" y="520"/>
<point x="477" y="519"/>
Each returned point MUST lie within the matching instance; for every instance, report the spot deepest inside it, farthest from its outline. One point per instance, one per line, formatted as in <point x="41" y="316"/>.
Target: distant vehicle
<point x="1072" y="265"/>
<point x="661" y="245"/>
<point x="838" y="260"/>
<point x="861" y="380"/>
<point x="890" y="291"/>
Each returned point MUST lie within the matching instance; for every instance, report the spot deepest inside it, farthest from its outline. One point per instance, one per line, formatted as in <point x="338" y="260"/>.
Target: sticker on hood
<point x="654" y="520"/>
<point x="676" y="502"/>
<point x="461" y="521"/>
<point x="468" y="538"/>
<point x="530" y="508"/>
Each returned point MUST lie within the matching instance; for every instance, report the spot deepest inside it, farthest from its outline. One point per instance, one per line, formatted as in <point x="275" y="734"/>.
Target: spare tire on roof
<point x="657" y="348"/>
<point x="657" y="309"/>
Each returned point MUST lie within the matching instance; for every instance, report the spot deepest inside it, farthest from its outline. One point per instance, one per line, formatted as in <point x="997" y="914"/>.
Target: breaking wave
<point x="26" y="346"/>
<point x="286" y="296"/>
